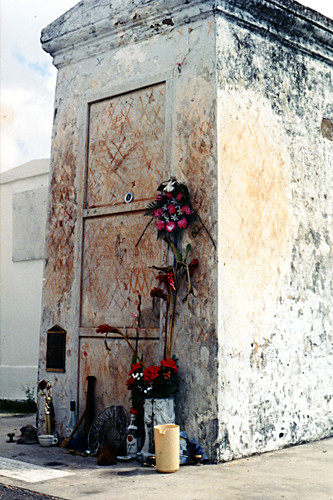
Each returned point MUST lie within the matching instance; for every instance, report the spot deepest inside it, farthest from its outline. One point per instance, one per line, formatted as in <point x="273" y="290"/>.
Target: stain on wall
<point x="254" y="215"/>
<point x="62" y="216"/>
<point x="194" y="147"/>
<point x="126" y="150"/>
<point x="29" y="214"/>
<point x="114" y="270"/>
<point x="327" y="128"/>
<point x="110" y="369"/>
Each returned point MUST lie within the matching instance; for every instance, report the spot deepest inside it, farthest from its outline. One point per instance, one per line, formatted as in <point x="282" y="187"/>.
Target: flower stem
<point x="145" y="229"/>
<point x="138" y="324"/>
<point x="119" y="332"/>
<point x="166" y="328"/>
<point x="203" y="225"/>
<point x="172" y="322"/>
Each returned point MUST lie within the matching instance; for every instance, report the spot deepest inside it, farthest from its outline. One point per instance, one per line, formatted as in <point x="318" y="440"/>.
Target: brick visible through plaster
<point x="327" y="129"/>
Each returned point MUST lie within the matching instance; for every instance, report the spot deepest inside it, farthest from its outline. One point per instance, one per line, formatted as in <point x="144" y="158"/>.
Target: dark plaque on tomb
<point x="55" y="350"/>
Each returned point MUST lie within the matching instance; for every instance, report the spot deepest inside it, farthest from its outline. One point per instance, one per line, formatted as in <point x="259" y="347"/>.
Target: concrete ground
<point x="302" y="472"/>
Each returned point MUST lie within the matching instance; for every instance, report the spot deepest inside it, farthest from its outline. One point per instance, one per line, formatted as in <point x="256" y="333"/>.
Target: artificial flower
<point x="159" y="293"/>
<point x="170" y="186"/>
<point x="154" y="381"/>
<point x="170" y="226"/>
<point x="158" y="212"/>
<point x="171" y="209"/>
<point x="169" y="363"/>
<point x="160" y="225"/>
<point x="150" y="373"/>
<point x="162" y="279"/>
<point x="104" y="328"/>
<point x="171" y="280"/>
<point x="186" y="210"/>
<point x="130" y="383"/>
<point x="134" y="368"/>
<point x="182" y="223"/>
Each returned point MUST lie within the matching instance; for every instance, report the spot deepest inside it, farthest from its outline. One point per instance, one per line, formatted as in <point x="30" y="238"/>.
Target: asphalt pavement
<point x="303" y="472"/>
<point x="11" y="493"/>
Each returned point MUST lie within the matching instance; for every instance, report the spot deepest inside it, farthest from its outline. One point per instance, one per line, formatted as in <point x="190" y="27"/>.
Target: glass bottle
<point x="132" y="443"/>
<point x="71" y="420"/>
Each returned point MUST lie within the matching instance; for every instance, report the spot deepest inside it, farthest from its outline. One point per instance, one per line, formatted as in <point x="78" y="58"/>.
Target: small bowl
<point x="47" y="440"/>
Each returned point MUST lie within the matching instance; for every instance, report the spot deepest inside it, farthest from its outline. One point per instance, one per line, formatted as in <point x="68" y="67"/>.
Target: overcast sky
<point x="28" y="78"/>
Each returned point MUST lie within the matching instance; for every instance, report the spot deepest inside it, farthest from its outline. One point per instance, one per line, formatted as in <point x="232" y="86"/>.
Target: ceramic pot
<point x="167" y="447"/>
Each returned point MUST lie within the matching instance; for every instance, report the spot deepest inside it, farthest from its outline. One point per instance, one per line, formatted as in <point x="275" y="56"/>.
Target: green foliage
<point x="29" y="392"/>
<point x="16" y="406"/>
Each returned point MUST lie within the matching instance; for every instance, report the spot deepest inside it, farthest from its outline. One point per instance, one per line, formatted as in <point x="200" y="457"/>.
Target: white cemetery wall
<point x="23" y="196"/>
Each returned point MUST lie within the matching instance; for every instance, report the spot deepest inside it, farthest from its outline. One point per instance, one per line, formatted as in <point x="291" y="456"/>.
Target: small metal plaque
<point x="56" y="349"/>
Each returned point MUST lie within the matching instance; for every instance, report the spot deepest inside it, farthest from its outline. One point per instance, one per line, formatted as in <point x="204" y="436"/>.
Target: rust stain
<point x="254" y="214"/>
<point x="194" y="141"/>
<point x="255" y="191"/>
<point x="195" y="134"/>
<point x="114" y="269"/>
<point x="110" y="369"/>
<point x="59" y="272"/>
<point x="210" y="25"/>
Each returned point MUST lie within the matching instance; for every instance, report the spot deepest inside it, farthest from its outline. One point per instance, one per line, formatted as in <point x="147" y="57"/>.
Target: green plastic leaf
<point x="134" y="359"/>
<point x="187" y="251"/>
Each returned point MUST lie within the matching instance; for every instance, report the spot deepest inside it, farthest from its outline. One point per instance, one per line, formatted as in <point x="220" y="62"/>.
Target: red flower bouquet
<point x="172" y="208"/>
<point x="159" y="381"/>
<point x="173" y="212"/>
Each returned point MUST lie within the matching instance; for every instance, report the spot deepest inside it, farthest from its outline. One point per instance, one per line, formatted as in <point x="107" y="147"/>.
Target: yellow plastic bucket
<point x="167" y="447"/>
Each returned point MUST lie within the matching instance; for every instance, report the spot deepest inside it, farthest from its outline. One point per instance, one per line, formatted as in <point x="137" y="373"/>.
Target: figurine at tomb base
<point x="45" y="390"/>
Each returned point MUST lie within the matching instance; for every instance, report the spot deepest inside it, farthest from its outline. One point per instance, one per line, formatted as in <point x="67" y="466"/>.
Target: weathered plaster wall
<point x="144" y="46"/>
<point x="275" y="238"/>
<point x="194" y="159"/>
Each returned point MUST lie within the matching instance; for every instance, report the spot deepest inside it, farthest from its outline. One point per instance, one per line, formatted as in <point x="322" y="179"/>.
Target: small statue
<point x="44" y="386"/>
<point x="28" y="435"/>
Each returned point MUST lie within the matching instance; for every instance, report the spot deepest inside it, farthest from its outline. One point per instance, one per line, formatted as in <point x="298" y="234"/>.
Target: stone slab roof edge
<point x="32" y="168"/>
<point x="121" y="22"/>
<point x="296" y="25"/>
<point x="91" y="19"/>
